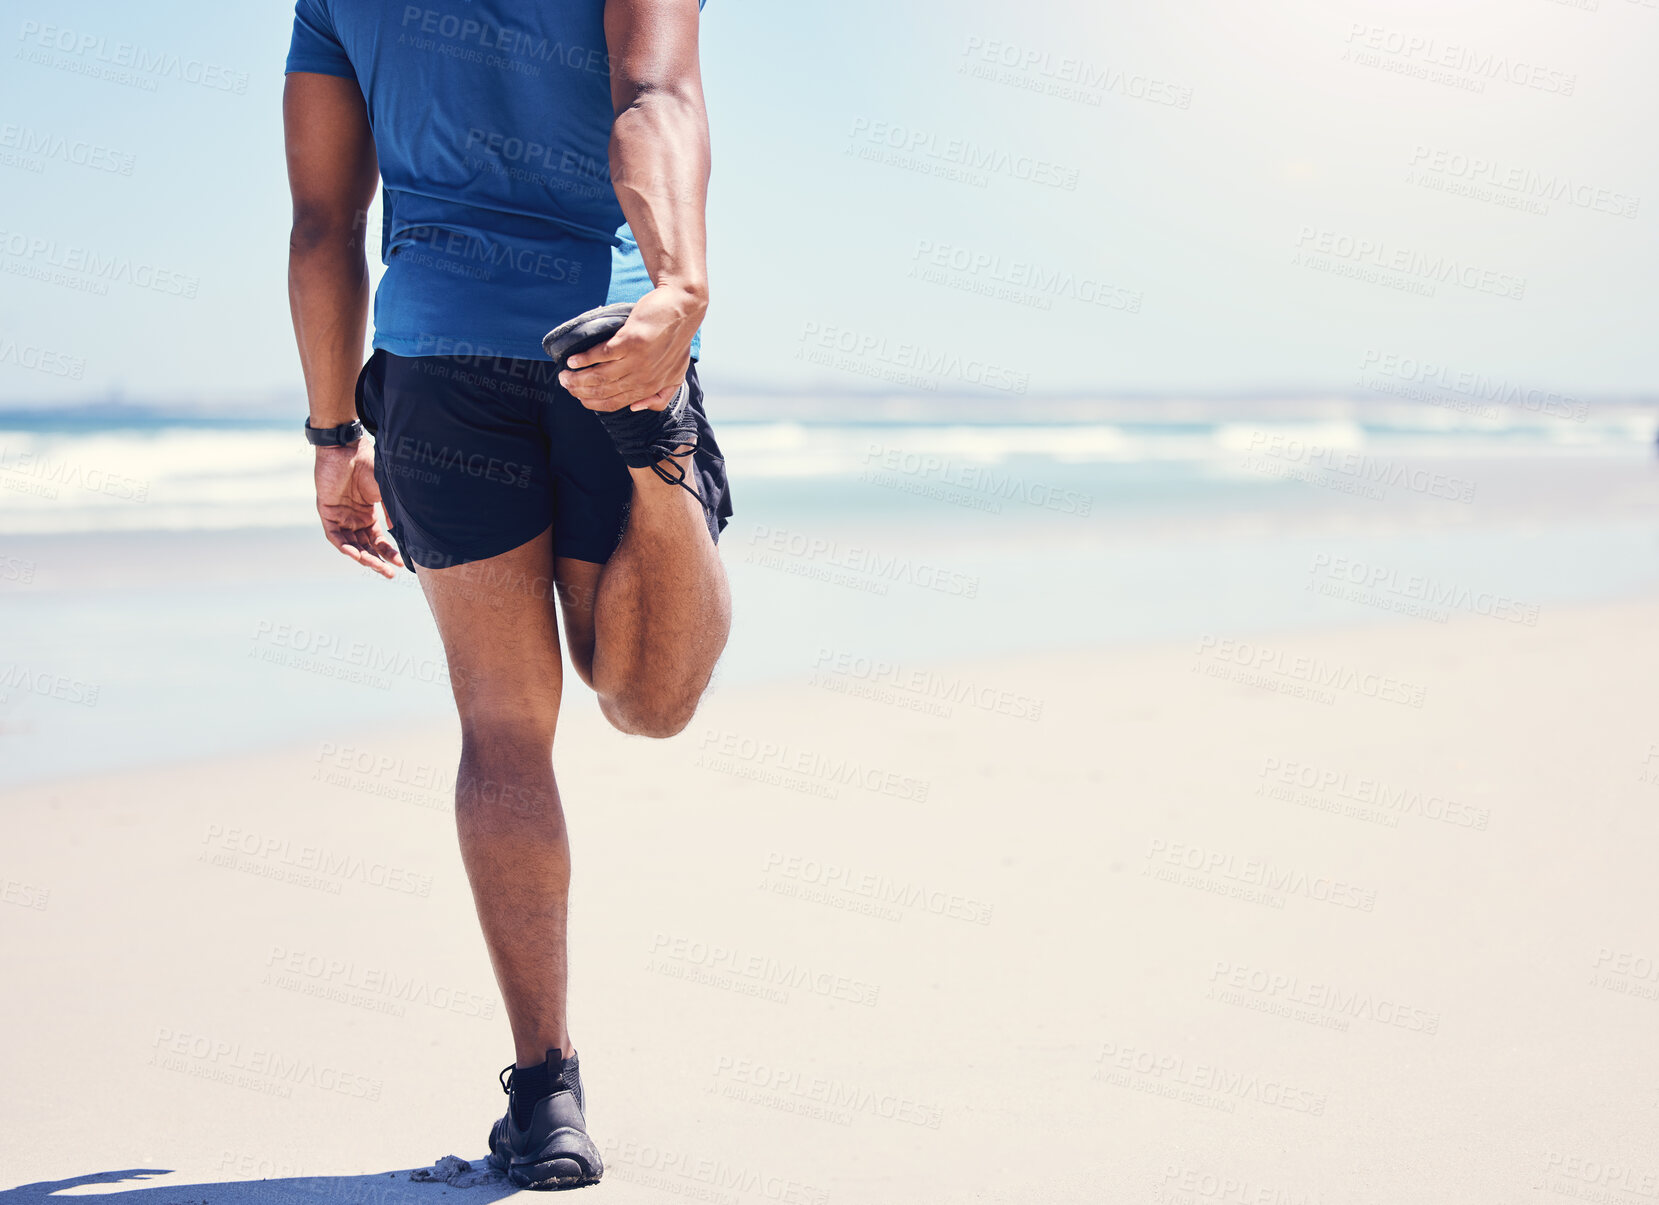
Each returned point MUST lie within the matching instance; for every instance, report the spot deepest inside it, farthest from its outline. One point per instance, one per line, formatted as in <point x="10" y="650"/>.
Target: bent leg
<point x="647" y="626"/>
<point x="502" y="642"/>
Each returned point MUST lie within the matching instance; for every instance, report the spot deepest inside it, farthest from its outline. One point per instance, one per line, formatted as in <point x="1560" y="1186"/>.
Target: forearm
<point x="328" y="295"/>
<point x="660" y="167"/>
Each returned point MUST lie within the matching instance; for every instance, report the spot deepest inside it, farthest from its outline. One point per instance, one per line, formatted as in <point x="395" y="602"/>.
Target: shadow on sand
<point x="475" y="1184"/>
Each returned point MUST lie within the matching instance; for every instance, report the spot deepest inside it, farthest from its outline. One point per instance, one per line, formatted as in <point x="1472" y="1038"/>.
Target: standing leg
<point x="499" y="631"/>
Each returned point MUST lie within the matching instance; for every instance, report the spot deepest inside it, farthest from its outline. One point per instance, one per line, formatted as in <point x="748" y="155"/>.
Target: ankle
<point x="524" y="1059"/>
<point x="667" y="482"/>
<point x="680" y="462"/>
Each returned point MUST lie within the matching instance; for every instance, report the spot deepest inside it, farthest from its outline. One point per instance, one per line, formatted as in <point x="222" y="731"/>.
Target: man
<point x="538" y="161"/>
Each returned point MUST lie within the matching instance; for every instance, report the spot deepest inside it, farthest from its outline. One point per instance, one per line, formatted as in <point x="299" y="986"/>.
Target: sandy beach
<point x="1314" y="916"/>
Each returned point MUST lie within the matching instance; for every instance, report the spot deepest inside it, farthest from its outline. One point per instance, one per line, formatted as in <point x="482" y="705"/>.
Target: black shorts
<point x="476" y="455"/>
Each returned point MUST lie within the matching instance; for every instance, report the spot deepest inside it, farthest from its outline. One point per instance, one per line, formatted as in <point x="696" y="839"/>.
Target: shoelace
<point x="672" y="479"/>
<point x="506" y="1078"/>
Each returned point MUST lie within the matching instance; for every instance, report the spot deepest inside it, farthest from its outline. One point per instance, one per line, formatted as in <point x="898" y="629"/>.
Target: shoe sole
<point x="554" y="1174"/>
<point x="560" y="1172"/>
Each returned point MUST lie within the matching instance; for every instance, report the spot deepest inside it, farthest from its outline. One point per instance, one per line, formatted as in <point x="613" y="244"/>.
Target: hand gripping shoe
<point x="645" y="439"/>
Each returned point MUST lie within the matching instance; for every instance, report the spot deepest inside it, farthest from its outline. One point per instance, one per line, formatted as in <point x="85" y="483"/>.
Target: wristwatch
<point x="334" y="437"/>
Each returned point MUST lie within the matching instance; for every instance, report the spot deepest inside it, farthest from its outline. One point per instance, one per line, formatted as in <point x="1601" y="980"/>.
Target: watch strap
<point x="334" y="437"/>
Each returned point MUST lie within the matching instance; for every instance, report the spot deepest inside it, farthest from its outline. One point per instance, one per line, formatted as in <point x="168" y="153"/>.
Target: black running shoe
<point x="551" y="1150"/>
<point x="643" y="438"/>
<point x="586" y="330"/>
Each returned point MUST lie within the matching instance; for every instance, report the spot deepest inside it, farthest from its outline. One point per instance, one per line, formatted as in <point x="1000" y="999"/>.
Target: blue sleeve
<point x="316" y="47"/>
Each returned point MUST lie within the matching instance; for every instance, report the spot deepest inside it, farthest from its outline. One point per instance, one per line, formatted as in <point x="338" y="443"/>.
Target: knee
<point x="505" y="780"/>
<point x="505" y="738"/>
<point x="657" y="716"/>
<point x="510" y="740"/>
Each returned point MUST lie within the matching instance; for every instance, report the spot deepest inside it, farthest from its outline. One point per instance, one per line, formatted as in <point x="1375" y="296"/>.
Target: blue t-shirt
<point x="492" y="123"/>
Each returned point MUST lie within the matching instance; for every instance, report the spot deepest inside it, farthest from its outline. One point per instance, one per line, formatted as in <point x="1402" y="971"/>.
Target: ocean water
<point x="63" y="474"/>
<point x="164" y="594"/>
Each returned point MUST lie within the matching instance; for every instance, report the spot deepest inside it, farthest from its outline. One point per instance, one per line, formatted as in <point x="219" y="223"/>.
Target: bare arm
<point x="332" y="173"/>
<point x="660" y="167"/>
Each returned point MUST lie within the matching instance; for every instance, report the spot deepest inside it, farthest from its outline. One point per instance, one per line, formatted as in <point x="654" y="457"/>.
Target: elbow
<point x="646" y="95"/>
<point x="326" y="229"/>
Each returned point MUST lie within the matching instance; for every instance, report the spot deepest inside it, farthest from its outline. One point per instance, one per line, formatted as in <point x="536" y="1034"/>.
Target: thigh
<point x="578" y="587"/>
<point x="501" y="637"/>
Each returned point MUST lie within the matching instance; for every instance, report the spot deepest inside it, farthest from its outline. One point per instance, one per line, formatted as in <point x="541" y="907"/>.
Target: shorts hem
<point x="430" y="552"/>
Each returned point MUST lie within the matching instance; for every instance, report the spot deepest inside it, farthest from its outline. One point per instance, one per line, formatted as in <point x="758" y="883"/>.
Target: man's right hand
<point x="348" y="501"/>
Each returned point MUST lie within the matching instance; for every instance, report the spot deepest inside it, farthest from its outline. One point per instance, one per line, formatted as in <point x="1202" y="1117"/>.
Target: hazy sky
<point x="1015" y="199"/>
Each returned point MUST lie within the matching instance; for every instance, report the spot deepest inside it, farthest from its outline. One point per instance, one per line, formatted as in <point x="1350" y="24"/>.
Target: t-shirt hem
<point x="417" y="347"/>
<point x="413" y="347"/>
